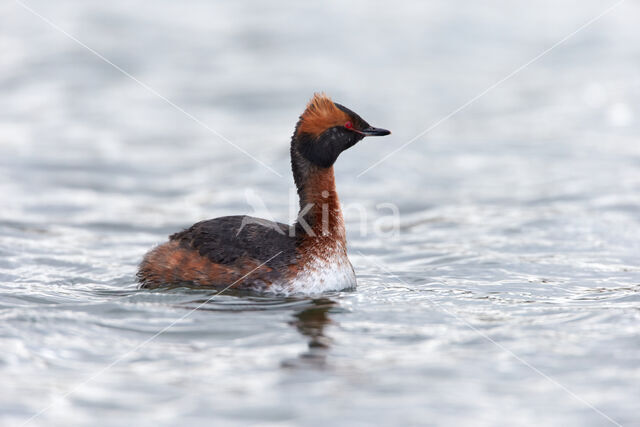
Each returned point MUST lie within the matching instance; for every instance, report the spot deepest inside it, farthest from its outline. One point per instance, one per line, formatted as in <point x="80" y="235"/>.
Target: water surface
<point x="510" y="295"/>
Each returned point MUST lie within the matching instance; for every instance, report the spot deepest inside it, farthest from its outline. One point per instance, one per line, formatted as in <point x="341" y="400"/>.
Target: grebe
<point x="244" y="252"/>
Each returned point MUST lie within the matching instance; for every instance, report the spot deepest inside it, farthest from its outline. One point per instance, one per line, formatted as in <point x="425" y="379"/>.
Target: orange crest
<point x="320" y="115"/>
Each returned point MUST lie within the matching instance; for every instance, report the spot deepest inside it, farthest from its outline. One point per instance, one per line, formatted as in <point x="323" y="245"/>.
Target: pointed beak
<point x="371" y="131"/>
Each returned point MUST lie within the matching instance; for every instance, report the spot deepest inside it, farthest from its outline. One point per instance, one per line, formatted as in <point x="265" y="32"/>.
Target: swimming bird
<point x="245" y="252"/>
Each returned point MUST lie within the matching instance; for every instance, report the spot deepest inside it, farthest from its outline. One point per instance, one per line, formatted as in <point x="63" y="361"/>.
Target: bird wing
<point x="226" y="240"/>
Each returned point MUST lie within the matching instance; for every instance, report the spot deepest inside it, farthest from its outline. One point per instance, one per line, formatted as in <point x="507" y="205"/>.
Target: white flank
<point x="329" y="270"/>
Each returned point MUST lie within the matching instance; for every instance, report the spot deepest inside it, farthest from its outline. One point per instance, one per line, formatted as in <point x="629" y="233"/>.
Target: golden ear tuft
<point x="321" y="114"/>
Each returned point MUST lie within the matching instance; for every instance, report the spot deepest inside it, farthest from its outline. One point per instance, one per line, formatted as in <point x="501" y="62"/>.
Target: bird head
<point x="326" y="129"/>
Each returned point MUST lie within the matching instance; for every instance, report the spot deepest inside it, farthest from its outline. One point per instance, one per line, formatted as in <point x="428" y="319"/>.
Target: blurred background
<point x="509" y="296"/>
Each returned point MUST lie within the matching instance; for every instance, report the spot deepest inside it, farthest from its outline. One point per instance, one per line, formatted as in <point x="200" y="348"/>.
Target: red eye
<point x="348" y="125"/>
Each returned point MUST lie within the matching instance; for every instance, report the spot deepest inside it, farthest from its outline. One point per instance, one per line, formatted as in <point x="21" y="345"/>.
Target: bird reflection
<point x="310" y="322"/>
<point x="310" y="318"/>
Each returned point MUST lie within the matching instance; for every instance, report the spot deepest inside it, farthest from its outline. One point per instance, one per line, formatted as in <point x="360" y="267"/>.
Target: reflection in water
<point x="310" y="318"/>
<point x="310" y="322"/>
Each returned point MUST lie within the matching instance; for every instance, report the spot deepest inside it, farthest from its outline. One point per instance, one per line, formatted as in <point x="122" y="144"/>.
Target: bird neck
<point x="320" y="215"/>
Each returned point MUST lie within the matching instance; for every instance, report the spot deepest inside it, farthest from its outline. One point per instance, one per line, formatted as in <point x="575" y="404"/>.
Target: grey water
<point x="507" y="293"/>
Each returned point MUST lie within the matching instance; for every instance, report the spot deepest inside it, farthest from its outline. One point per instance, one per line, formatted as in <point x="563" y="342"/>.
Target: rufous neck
<point x="319" y="204"/>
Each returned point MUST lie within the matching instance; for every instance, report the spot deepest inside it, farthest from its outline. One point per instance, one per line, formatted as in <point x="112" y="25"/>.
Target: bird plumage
<point x="251" y="253"/>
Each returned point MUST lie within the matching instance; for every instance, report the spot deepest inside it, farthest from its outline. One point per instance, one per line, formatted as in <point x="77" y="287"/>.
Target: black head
<point x="326" y="129"/>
